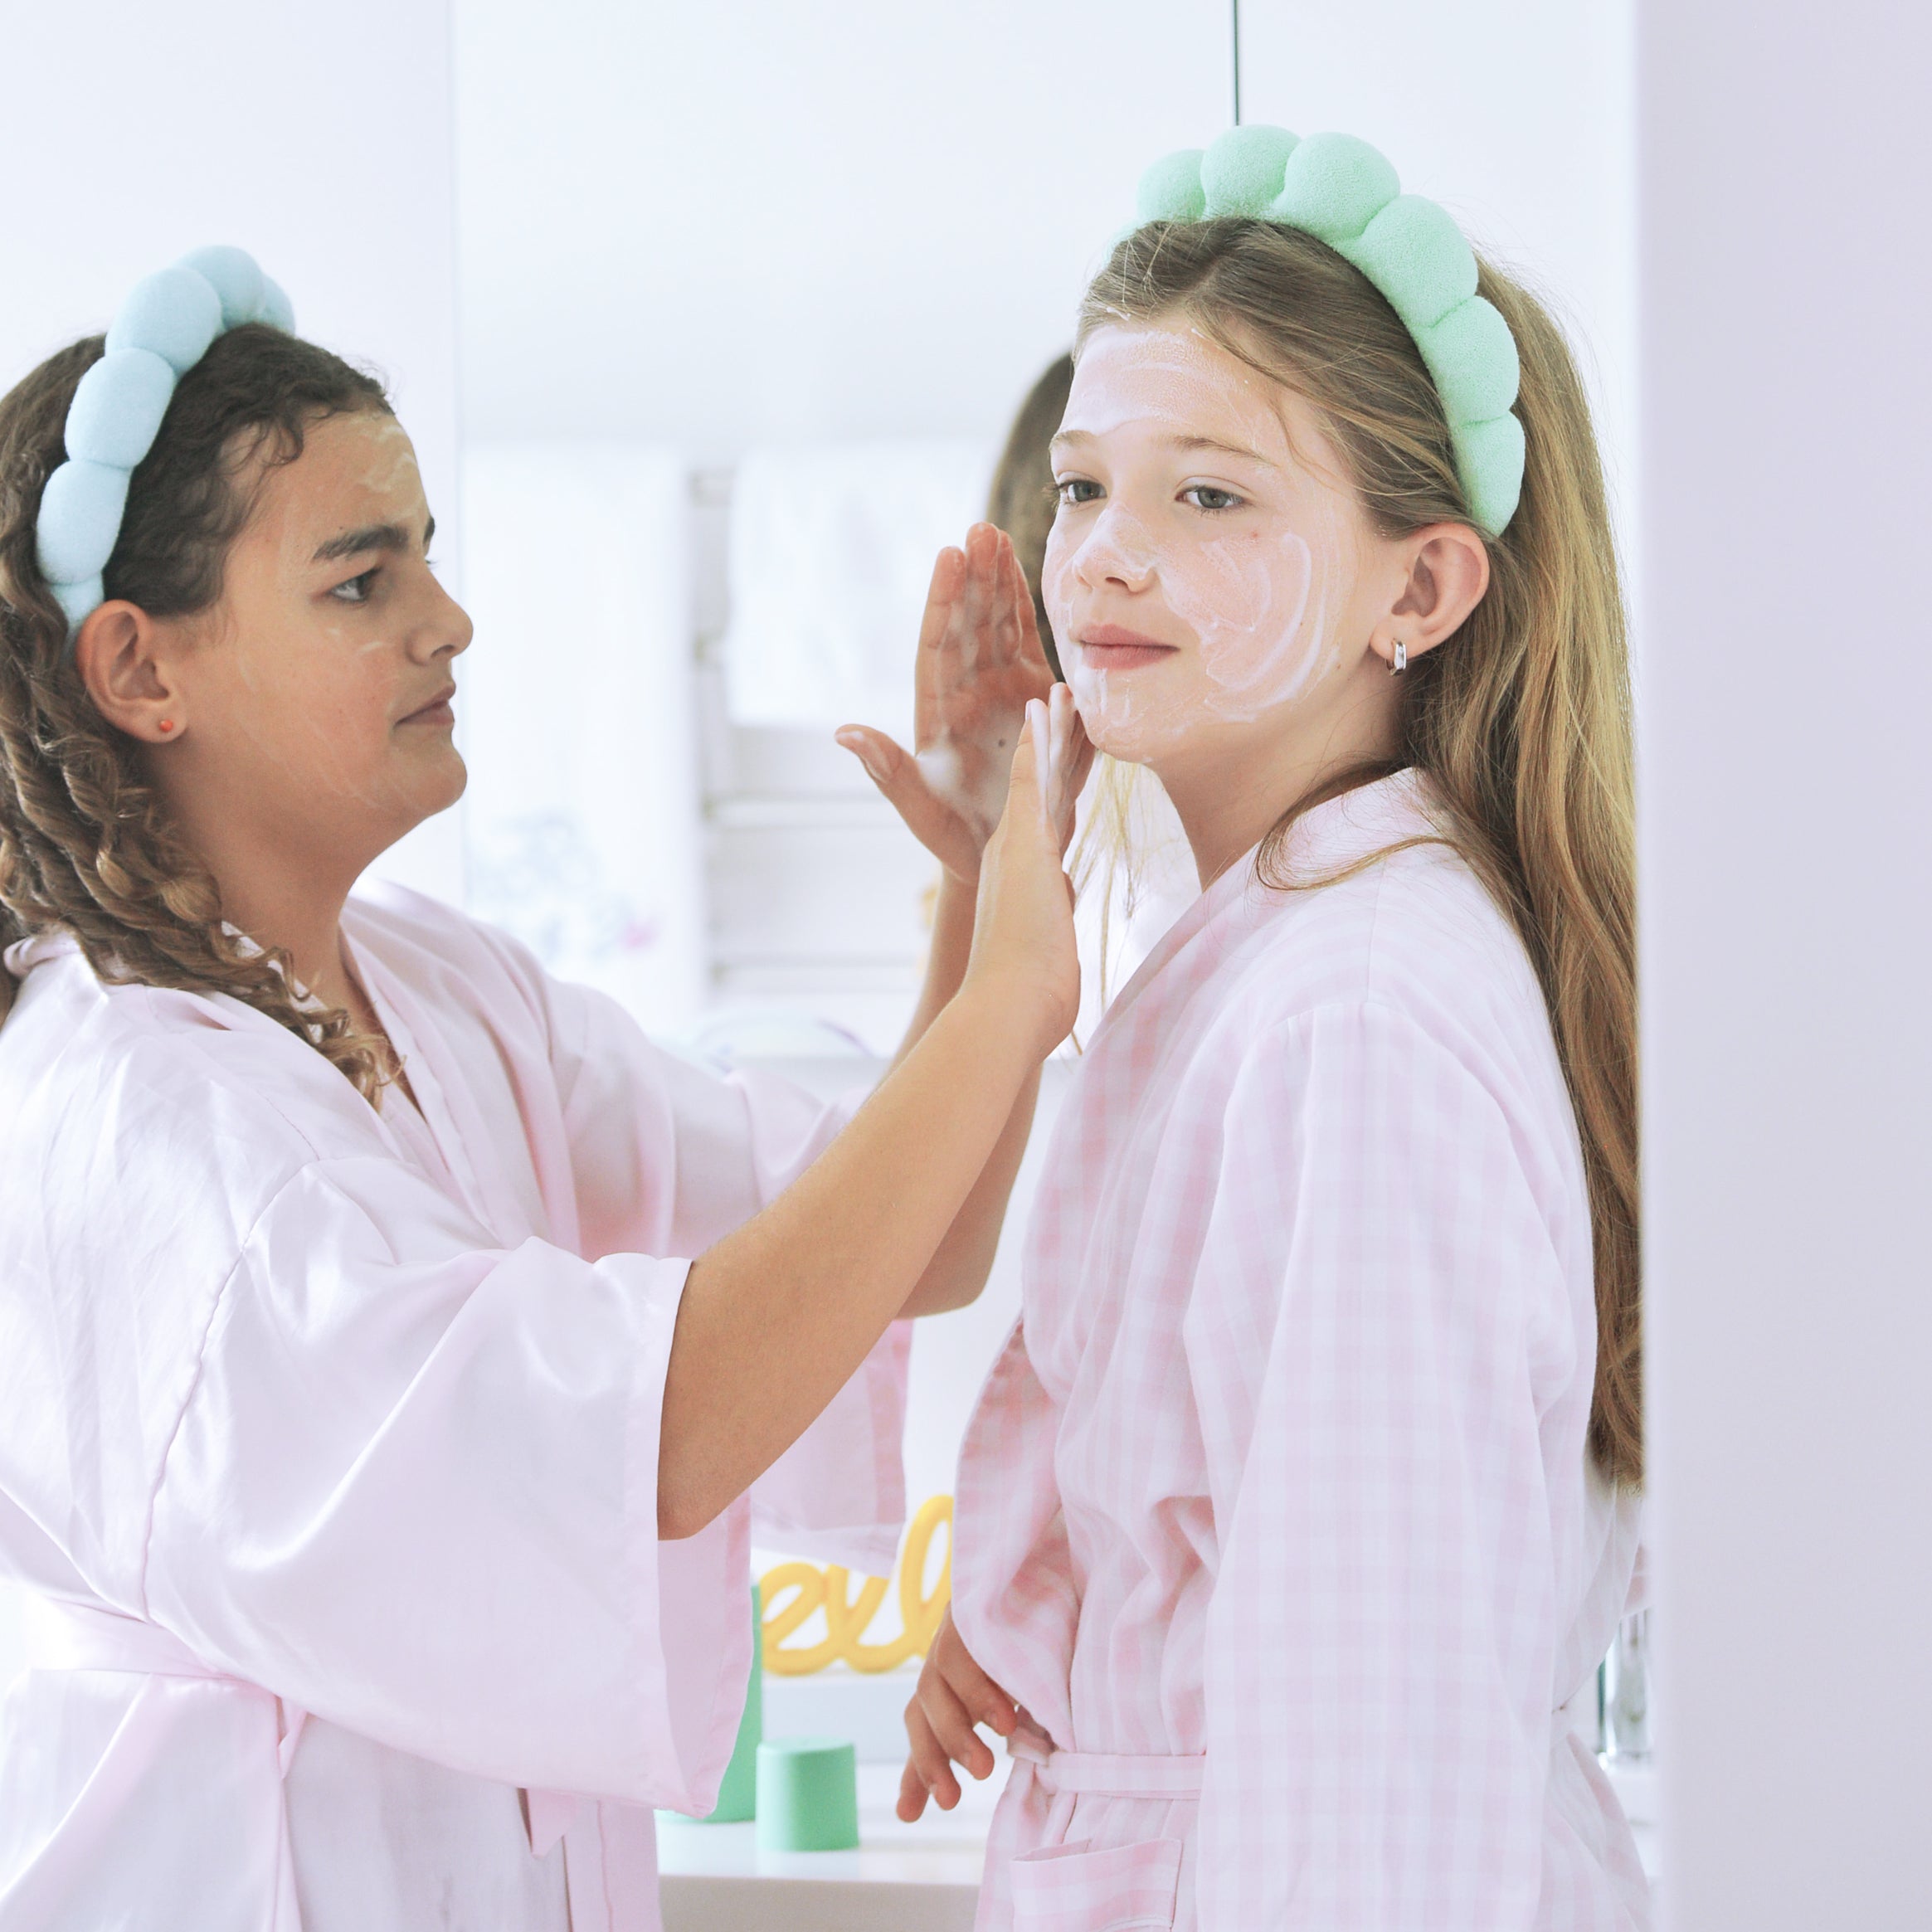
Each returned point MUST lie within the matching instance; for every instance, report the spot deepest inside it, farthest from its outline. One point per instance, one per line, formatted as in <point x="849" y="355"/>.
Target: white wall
<point x="718" y="224"/>
<point x="1787" y="933"/>
<point x="752" y="221"/>
<point x="320" y="143"/>
<point x="1516" y="115"/>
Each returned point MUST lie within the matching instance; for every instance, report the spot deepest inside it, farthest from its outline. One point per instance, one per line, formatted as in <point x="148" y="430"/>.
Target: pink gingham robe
<point x="1281" y="1480"/>
<point x="342" y="1431"/>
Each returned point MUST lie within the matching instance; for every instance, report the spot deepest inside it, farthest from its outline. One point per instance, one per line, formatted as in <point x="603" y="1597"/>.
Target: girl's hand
<point x="979" y="662"/>
<point x="1023" y="959"/>
<point x="954" y="1694"/>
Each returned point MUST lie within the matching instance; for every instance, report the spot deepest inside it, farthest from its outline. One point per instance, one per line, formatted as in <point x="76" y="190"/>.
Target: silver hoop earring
<point x="1400" y="663"/>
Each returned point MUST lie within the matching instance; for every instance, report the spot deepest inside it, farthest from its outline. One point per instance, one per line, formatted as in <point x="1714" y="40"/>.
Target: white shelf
<point x="715" y="1879"/>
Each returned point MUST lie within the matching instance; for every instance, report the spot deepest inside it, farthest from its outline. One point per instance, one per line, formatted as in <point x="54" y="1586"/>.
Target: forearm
<point x="958" y="1270"/>
<point x="960" y="1266"/>
<point x="945" y="958"/>
<point x="777" y="1316"/>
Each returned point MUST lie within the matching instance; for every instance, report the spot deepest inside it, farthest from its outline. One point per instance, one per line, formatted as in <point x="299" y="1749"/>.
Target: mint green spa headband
<point x="1343" y="192"/>
<point x="159" y="333"/>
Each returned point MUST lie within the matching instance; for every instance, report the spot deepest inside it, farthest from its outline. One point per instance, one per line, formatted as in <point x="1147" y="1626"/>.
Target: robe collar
<point x="1329" y="837"/>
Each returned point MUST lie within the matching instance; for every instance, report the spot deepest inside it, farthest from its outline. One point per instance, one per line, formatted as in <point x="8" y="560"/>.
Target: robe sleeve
<point x="414" y="1489"/>
<point x="1381" y="1644"/>
<point x="653" y="1137"/>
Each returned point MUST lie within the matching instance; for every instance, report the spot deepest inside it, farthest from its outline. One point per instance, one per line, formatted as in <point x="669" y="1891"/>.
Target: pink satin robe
<point x="1275" y="1513"/>
<point x="340" y="1430"/>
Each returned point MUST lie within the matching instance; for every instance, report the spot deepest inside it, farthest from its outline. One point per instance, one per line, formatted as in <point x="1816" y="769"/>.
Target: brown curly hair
<point x="85" y="847"/>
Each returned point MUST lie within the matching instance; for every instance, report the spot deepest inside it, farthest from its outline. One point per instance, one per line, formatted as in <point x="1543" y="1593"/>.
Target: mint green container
<point x="808" y="1795"/>
<point x="737" y="1796"/>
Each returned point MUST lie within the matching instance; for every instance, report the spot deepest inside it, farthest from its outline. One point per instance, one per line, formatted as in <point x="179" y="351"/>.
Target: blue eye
<point x="1076" y="490"/>
<point x="1207" y="496"/>
<point x="356" y="590"/>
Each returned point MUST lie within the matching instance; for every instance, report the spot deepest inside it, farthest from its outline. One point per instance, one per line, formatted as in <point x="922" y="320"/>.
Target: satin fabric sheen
<point x="358" y="1413"/>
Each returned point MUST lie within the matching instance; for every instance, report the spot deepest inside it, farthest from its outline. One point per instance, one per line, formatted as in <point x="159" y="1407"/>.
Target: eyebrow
<point x="1186" y="446"/>
<point x="370" y="536"/>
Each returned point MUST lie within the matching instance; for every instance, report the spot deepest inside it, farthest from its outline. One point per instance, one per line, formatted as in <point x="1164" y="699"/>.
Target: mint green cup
<point x="808" y="1795"/>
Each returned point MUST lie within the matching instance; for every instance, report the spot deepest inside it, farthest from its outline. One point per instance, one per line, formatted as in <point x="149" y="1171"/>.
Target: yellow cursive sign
<point x="846" y="1622"/>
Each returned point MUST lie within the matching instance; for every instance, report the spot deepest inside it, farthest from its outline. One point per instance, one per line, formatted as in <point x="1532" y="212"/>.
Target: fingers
<point x="951" y="1725"/>
<point x="1028" y="648"/>
<point x="928" y="1759"/>
<point x="983" y="1700"/>
<point x="934" y="820"/>
<point x="1039" y="727"/>
<point x="985" y="618"/>
<point x="882" y="758"/>
<point x="949" y="575"/>
<point x="1028" y="757"/>
<point x="953" y="1696"/>
<point x="942" y="598"/>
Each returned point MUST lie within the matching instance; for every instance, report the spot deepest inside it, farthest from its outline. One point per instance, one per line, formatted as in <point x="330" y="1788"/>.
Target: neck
<point x="301" y="916"/>
<point x="278" y="888"/>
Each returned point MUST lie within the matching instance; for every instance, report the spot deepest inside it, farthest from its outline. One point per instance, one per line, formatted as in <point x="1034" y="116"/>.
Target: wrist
<point x="1010" y="1009"/>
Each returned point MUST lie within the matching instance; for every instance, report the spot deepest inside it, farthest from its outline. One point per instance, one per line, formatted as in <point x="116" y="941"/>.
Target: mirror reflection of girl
<point x="353" y="1374"/>
<point x="1300" y="1506"/>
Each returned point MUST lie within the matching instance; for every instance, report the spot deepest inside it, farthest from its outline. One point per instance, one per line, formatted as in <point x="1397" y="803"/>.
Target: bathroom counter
<point x="715" y="1879"/>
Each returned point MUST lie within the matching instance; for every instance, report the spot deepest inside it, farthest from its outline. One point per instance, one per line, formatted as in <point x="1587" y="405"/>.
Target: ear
<point x="1448" y="571"/>
<point x="124" y="660"/>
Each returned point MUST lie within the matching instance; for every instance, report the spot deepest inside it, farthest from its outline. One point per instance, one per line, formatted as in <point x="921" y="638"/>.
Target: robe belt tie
<point x="1110" y="1774"/>
<point x="80" y="1637"/>
<point x="64" y="1636"/>
<point x="1107" y="1774"/>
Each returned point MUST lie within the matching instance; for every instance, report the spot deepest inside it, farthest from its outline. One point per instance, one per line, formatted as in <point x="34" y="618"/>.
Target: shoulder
<point x="1412" y="930"/>
<point x="138" y="1118"/>
<point x="1414" y="944"/>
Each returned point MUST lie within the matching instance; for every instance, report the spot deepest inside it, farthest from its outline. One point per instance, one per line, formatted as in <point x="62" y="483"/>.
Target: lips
<point x="1112" y="647"/>
<point x="437" y="711"/>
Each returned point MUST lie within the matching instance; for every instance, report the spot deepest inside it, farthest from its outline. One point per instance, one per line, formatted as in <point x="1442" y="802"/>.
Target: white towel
<point x="580" y="728"/>
<point x="831" y="551"/>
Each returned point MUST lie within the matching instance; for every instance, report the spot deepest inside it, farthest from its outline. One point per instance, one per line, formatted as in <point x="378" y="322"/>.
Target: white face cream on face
<point x="1194" y="564"/>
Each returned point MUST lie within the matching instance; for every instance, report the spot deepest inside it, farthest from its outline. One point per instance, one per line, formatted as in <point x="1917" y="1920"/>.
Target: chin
<point x="1130" y="735"/>
<point x="434" y="783"/>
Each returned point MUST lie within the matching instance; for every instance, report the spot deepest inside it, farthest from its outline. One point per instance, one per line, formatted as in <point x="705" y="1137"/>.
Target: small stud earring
<point x="168" y="724"/>
<point x="1400" y="662"/>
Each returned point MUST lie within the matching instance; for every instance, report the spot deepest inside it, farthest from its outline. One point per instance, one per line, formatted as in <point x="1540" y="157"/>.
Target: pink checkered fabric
<point x="1284" y="1463"/>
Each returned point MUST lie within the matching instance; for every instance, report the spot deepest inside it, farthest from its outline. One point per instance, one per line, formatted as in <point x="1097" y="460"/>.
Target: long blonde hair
<point x="1521" y="721"/>
<point x="86" y="848"/>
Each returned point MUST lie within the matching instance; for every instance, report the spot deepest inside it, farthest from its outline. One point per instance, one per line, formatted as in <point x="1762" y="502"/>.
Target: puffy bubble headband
<point x="1343" y="192"/>
<point x="162" y="330"/>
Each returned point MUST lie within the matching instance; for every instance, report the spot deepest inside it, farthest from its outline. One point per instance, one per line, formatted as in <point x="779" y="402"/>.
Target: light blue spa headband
<point x="1342" y="192"/>
<point x="162" y="330"/>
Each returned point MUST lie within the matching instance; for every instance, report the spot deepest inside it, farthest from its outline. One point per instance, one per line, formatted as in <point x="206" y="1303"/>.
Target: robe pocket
<point x="1074" y="1888"/>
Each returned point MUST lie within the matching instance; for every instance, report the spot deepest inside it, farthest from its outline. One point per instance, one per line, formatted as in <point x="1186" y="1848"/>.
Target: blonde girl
<point x="1298" y="1512"/>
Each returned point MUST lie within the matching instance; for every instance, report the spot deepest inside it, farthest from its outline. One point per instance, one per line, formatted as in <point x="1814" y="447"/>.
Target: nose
<point x="1117" y="551"/>
<point x="444" y="630"/>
